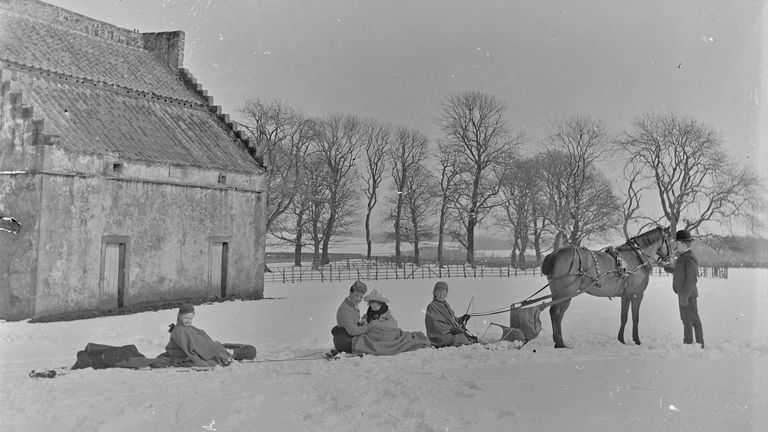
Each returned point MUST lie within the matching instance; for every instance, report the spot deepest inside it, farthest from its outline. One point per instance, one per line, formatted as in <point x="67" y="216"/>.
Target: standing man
<point x="685" y="273"/>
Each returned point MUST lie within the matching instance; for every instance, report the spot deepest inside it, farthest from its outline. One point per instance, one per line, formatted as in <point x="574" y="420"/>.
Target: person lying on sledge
<point x="385" y="337"/>
<point x="443" y="327"/>
<point x="191" y="346"/>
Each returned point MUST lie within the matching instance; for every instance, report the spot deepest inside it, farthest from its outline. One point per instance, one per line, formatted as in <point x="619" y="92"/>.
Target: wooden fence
<point x="364" y="270"/>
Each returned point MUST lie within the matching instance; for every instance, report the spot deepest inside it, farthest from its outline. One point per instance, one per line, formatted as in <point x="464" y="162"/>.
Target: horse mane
<point x="644" y="239"/>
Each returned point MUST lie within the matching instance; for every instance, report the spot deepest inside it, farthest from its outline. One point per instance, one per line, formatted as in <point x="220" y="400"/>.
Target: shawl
<point x="191" y="346"/>
<point x="439" y="321"/>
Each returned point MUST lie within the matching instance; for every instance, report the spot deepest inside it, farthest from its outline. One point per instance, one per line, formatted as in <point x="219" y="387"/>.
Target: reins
<point x="644" y="259"/>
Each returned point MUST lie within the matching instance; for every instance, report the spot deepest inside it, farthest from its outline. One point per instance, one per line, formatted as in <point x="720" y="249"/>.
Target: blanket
<point x="386" y="340"/>
<point x="191" y="346"/>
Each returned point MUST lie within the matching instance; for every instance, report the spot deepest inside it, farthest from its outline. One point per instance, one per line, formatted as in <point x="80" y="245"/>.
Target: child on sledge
<point x="379" y="310"/>
<point x="443" y="327"/>
<point x="191" y="346"/>
<point x="385" y="337"/>
<point x="348" y="322"/>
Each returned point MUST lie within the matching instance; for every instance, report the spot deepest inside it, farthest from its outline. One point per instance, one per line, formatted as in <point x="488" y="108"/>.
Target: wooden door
<point x="218" y="268"/>
<point x="113" y="279"/>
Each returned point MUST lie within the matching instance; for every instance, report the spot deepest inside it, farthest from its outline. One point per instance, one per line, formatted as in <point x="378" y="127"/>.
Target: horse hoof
<point x="621" y="339"/>
<point x="560" y="346"/>
<point x="637" y="342"/>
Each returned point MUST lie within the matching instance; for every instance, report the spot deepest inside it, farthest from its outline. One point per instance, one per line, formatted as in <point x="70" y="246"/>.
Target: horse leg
<point x="636" y="300"/>
<point x="556" y="313"/>
<point x="624" y="314"/>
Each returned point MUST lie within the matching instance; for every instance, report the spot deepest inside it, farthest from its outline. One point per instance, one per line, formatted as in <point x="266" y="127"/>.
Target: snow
<point x="596" y="385"/>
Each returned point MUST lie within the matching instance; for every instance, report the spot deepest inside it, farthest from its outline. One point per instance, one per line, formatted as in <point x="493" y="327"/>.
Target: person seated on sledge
<point x="385" y="337"/>
<point x="191" y="346"/>
<point x="443" y="327"/>
<point x="348" y="322"/>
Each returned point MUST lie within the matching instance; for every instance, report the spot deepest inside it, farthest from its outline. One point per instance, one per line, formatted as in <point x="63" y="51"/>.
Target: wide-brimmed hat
<point x="683" y="235"/>
<point x="376" y="296"/>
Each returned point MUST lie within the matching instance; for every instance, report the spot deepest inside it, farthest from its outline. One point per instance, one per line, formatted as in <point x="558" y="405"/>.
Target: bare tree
<point x="408" y="151"/>
<point x="574" y="147"/>
<point x="474" y="127"/>
<point x="376" y="139"/>
<point x="282" y="136"/>
<point x="306" y="212"/>
<point x="520" y="191"/>
<point x="419" y="206"/>
<point x="538" y="210"/>
<point x="633" y="194"/>
<point x="695" y="179"/>
<point x="448" y="161"/>
<point x="572" y="218"/>
<point x="338" y="147"/>
<point x="316" y="197"/>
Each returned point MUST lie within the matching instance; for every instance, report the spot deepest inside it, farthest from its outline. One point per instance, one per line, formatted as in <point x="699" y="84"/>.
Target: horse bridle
<point x="638" y="250"/>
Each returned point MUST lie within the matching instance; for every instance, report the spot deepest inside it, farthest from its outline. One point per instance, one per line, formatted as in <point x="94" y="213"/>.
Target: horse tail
<point x="548" y="264"/>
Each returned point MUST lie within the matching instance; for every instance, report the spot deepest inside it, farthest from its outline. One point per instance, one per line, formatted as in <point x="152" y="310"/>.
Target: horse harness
<point x="621" y="266"/>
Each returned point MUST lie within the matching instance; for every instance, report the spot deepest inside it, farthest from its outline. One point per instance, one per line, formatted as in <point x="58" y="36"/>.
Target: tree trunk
<point x="398" y="214"/>
<point x="327" y="236"/>
<point x="315" y="245"/>
<point x="441" y="234"/>
<point x="368" y="234"/>
<point x="415" y="241"/>
<point x="299" y="239"/>
<point x="471" y="241"/>
<point x="297" y="251"/>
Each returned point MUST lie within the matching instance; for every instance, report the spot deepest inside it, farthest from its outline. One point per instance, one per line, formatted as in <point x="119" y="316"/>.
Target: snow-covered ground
<point x="597" y="385"/>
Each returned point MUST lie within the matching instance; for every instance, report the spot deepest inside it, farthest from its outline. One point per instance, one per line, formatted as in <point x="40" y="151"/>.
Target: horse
<point x="624" y="272"/>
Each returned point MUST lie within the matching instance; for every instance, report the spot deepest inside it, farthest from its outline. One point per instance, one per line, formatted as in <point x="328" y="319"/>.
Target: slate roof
<point x="102" y="96"/>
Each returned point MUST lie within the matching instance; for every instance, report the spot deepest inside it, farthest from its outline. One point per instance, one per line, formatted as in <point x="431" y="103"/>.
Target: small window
<point x="222" y="178"/>
<point x="117" y="168"/>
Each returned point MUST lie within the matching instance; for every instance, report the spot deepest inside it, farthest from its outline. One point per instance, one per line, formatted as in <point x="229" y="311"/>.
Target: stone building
<point x="129" y="184"/>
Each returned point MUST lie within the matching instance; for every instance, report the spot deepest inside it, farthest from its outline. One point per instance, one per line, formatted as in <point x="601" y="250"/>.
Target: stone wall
<point x="168" y="229"/>
<point x="69" y="204"/>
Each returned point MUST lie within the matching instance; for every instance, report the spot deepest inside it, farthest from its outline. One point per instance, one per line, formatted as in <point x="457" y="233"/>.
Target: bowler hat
<point x="683" y="235"/>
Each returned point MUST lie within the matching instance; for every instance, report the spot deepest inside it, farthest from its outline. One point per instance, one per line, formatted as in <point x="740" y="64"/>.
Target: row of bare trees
<point x="321" y="171"/>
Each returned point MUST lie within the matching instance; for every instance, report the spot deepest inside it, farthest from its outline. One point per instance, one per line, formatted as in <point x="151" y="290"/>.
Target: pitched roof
<point x="101" y="91"/>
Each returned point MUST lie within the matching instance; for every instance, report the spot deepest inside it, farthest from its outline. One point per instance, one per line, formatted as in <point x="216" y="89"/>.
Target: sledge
<point x="525" y="317"/>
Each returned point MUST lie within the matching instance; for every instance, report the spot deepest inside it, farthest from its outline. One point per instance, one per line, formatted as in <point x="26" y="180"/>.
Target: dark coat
<point x="685" y="275"/>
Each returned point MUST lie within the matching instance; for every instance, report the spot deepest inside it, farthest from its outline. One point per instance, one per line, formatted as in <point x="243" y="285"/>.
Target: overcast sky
<point x="397" y="60"/>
